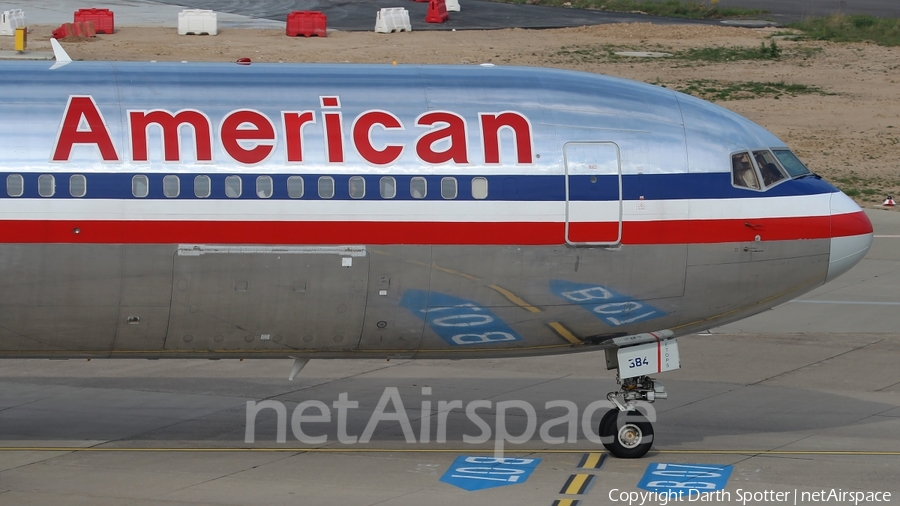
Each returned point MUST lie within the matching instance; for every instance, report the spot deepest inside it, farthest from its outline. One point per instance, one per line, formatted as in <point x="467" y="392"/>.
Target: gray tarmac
<point x="803" y="397"/>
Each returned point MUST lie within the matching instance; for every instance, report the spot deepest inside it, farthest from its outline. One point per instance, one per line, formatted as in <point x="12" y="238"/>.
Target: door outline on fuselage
<point x="570" y="171"/>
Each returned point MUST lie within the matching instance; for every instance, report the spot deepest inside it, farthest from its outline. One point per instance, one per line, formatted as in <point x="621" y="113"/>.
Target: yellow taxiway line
<point x="516" y="451"/>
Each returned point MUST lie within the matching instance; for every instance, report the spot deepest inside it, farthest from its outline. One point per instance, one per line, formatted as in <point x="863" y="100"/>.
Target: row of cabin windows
<point x="140" y="186"/>
<point x="15" y="185"/>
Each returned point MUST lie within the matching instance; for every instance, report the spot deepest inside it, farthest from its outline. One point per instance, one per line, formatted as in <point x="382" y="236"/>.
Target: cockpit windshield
<point x="742" y="173"/>
<point x="791" y="163"/>
<point x="768" y="167"/>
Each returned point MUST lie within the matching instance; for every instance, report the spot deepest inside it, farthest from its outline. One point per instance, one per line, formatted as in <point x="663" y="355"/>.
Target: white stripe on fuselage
<point x="410" y="210"/>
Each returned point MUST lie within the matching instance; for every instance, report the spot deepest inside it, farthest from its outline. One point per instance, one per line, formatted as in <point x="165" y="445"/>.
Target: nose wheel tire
<point x="627" y="435"/>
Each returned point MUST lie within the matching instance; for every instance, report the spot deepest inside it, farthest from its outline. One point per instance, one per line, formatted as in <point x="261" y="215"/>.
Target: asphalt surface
<point x="801" y="398"/>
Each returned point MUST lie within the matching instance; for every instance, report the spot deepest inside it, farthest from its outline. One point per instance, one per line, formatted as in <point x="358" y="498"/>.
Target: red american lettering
<point x="250" y="137"/>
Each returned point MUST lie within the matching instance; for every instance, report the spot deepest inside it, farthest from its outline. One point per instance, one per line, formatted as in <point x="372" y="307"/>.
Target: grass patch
<point x="668" y="8"/>
<point x="709" y="89"/>
<point x="721" y="54"/>
<point x="866" y="189"/>
<point x="586" y="54"/>
<point x="855" y="28"/>
<point x="715" y="54"/>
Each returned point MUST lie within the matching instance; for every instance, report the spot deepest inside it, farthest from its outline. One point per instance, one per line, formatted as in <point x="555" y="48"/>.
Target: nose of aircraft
<point x="851" y="235"/>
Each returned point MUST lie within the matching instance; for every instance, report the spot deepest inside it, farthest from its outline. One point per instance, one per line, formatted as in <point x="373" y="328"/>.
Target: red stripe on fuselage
<point x="438" y="233"/>
<point x="850" y="224"/>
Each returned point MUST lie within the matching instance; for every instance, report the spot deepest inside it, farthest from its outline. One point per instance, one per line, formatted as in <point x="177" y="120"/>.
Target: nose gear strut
<point x="626" y="430"/>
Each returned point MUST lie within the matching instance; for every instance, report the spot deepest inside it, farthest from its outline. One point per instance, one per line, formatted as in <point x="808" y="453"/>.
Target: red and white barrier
<point x="392" y="19"/>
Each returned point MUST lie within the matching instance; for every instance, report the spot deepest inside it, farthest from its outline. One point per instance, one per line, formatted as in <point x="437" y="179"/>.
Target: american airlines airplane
<point x="199" y="210"/>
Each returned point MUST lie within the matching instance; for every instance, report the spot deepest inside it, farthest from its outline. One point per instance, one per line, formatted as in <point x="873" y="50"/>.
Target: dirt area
<point x="847" y="128"/>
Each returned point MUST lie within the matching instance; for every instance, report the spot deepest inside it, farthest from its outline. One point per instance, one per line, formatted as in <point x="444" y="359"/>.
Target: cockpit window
<point x="768" y="167"/>
<point x="742" y="173"/>
<point x="790" y="162"/>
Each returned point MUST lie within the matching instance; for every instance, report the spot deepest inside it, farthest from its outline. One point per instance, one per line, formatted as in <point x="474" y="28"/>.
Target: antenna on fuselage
<point x="62" y="57"/>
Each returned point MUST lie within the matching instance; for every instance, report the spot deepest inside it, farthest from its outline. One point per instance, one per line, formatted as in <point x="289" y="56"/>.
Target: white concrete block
<point x="197" y="22"/>
<point x="10" y="20"/>
<point x="392" y="19"/>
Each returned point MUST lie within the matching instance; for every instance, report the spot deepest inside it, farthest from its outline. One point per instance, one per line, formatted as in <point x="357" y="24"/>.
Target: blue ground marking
<point x="685" y="480"/>
<point x="610" y="306"/>
<point x="459" y="322"/>
<point x="479" y="473"/>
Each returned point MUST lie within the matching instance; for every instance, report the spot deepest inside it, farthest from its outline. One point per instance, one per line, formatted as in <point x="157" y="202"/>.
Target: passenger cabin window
<point x="418" y="187"/>
<point x="233" y="187"/>
<point x="264" y="187"/>
<point x="357" y="187"/>
<point x="742" y="173"/>
<point x="326" y="187"/>
<point x="202" y="187"/>
<point x="448" y="188"/>
<point x="171" y="186"/>
<point x="295" y="187"/>
<point x="15" y="185"/>
<point x="387" y="187"/>
<point x="140" y="186"/>
<point x="479" y="188"/>
<point x="46" y="185"/>
<point x="791" y="163"/>
<point x="768" y="167"/>
<point x="77" y="185"/>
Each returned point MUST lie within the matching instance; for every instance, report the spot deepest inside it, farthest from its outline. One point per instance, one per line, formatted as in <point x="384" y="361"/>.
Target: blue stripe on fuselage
<point x="500" y="188"/>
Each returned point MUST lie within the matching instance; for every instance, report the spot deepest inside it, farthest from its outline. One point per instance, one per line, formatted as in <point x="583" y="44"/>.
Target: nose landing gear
<point x="626" y="431"/>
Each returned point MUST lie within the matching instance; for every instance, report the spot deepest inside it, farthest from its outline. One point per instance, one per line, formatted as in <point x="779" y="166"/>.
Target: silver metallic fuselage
<point x="613" y="215"/>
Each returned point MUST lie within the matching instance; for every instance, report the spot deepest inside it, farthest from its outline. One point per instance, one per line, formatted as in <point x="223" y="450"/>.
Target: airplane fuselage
<point x="218" y="210"/>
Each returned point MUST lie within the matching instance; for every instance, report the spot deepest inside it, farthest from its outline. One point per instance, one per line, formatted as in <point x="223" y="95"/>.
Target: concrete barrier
<point x="197" y="22"/>
<point x="392" y="19"/>
<point x="10" y="20"/>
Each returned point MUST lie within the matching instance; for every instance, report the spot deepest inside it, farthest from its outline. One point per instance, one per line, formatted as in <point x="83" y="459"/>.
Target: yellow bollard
<point x="21" y="38"/>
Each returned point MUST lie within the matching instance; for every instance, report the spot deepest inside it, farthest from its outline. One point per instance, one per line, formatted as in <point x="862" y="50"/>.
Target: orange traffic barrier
<point x="103" y="19"/>
<point x="75" y="30"/>
<point x="437" y="12"/>
<point x="305" y="23"/>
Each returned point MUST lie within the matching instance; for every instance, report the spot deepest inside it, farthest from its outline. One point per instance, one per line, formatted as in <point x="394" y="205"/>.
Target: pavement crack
<point x="243" y="403"/>
<point x="239" y="471"/>
<point x="399" y="496"/>
<point x="889" y="386"/>
<point x="23" y="404"/>
<point x="755" y="383"/>
<point x="815" y="363"/>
